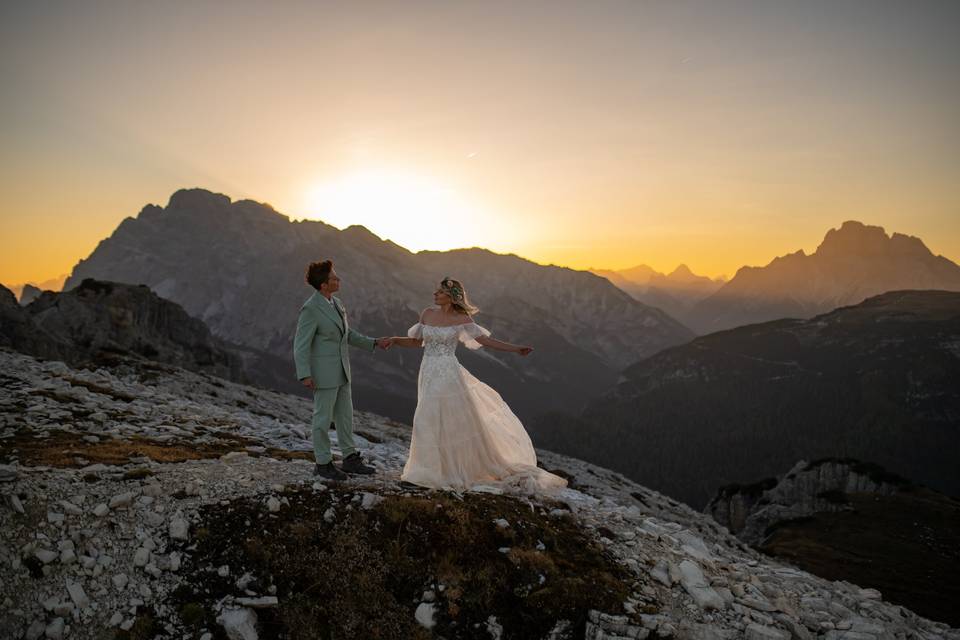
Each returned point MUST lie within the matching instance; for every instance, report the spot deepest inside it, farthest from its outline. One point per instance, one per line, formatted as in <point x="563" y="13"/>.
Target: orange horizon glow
<point x="350" y="192"/>
<point x="712" y="134"/>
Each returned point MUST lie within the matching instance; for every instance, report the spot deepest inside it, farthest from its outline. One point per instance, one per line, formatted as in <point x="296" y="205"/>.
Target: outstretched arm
<point x="410" y="341"/>
<point x="361" y="341"/>
<point x="500" y="345"/>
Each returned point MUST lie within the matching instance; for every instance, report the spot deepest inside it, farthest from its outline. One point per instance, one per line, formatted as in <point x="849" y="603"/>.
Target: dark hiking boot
<point x="329" y="472"/>
<point x="353" y="463"/>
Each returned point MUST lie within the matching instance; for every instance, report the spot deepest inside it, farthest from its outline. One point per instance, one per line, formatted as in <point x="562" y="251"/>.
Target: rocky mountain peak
<point x="852" y="263"/>
<point x="640" y="274"/>
<point x="206" y="207"/>
<point x="683" y="275"/>
<point x="854" y="238"/>
<point x="682" y="272"/>
<point x="197" y="200"/>
<point x="905" y="245"/>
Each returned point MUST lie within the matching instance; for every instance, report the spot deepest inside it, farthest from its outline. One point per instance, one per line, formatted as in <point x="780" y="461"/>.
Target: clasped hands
<point x="383" y="343"/>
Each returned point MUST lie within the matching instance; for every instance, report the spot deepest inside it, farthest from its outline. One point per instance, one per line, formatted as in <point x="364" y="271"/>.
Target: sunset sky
<point x="591" y="133"/>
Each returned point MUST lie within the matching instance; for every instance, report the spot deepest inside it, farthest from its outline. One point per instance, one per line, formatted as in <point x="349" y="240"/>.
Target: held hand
<point x="384" y="343"/>
<point x="524" y="351"/>
<point x="307" y="382"/>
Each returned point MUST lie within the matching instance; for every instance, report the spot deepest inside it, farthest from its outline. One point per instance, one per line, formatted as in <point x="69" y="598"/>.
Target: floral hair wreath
<point x="450" y="285"/>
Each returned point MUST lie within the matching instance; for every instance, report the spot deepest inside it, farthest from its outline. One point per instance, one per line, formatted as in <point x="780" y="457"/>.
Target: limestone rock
<point x="425" y="614"/>
<point x="179" y="529"/>
<point x="121" y="501"/>
<point x="692" y="579"/>
<point x="239" y="623"/>
<point x="77" y="594"/>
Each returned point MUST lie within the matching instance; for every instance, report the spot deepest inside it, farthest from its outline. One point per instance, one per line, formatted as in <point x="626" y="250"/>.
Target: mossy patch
<point x="56" y="448"/>
<point x="144" y="628"/>
<point x="364" y="573"/>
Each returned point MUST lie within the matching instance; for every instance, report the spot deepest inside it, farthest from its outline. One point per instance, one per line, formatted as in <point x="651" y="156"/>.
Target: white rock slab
<point x="239" y="624"/>
<point x="425" y="614"/>
<point x="691" y="577"/>
<point x="77" y="595"/>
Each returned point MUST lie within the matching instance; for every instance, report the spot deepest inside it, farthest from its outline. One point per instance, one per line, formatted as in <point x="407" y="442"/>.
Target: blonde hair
<point x="458" y="296"/>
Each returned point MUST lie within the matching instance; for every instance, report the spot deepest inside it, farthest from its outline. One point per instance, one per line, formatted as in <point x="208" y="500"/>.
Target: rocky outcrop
<point x="18" y="331"/>
<point x="852" y="263"/>
<point x="238" y="266"/>
<point x="104" y="317"/>
<point x="751" y="511"/>
<point x="844" y="519"/>
<point x="181" y="505"/>
<point x="96" y="322"/>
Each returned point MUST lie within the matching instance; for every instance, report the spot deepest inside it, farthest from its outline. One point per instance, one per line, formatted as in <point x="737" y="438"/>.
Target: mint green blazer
<point x="321" y="343"/>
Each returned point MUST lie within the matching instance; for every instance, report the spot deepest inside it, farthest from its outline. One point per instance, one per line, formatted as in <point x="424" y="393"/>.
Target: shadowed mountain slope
<point x="876" y="381"/>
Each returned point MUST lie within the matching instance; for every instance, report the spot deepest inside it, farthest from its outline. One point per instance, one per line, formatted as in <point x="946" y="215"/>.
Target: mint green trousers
<point x="332" y="405"/>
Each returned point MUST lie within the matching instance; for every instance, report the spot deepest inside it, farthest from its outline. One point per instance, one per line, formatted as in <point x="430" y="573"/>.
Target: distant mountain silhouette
<point x="852" y="263"/>
<point x="676" y="293"/>
<point x="875" y="381"/>
<point x="53" y="284"/>
<point x="239" y="267"/>
<point x="29" y="294"/>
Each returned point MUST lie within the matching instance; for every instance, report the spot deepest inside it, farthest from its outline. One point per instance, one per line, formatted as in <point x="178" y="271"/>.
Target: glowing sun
<point x="411" y="210"/>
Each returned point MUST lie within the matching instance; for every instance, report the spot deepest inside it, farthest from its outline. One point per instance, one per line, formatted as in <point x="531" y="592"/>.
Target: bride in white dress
<point x="464" y="434"/>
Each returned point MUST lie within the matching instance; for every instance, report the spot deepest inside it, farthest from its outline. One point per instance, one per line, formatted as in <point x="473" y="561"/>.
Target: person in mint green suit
<point x="320" y="351"/>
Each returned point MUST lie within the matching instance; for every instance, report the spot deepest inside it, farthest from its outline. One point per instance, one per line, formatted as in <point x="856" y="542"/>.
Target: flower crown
<point x="455" y="291"/>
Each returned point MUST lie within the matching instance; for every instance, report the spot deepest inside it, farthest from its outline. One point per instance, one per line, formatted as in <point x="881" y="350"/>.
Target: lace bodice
<point x="442" y="341"/>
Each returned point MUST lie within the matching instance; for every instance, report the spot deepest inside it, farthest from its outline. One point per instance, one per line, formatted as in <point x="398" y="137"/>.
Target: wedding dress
<point x="464" y="434"/>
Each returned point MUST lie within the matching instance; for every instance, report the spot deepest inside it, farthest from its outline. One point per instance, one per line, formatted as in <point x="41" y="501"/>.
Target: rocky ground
<point x="148" y="501"/>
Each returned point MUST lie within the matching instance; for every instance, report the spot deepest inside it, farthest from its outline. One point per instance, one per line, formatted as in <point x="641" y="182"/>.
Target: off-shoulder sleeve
<point x="416" y="331"/>
<point x="469" y="332"/>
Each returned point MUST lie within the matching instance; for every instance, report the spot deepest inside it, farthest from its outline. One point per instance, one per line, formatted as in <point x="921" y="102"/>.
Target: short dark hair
<point x="318" y="273"/>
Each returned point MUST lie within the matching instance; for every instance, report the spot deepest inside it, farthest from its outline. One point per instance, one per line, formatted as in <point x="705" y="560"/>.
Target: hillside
<point x="156" y="502"/>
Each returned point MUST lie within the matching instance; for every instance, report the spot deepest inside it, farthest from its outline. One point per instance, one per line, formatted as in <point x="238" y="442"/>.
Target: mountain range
<point x="676" y="292"/>
<point x="239" y="266"/>
<point x="852" y="263"/>
<point x="875" y="381"/>
<point x="34" y="288"/>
